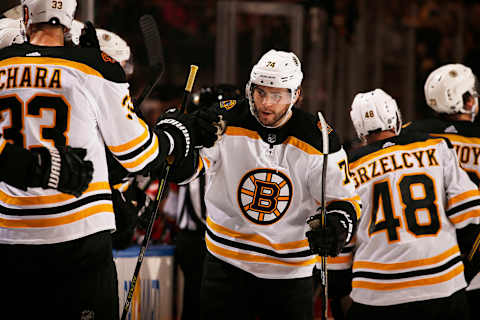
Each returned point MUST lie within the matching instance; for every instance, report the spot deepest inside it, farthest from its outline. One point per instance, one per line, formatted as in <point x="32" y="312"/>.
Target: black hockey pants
<point x="70" y="280"/>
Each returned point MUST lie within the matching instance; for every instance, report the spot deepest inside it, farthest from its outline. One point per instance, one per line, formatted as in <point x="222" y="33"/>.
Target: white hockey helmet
<point x="278" y="69"/>
<point x="445" y="87"/>
<point x="113" y="45"/>
<point x="49" y="11"/>
<point x="117" y="48"/>
<point x="375" y="110"/>
<point x="11" y="31"/>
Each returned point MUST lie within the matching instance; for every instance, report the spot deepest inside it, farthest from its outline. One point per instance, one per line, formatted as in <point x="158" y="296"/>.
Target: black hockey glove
<point x="125" y="220"/>
<point x="88" y="37"/>
<point x="189" y="131"/>
<point x="61" y="168"/>
<point x="329" y="241"/>
<point x="209" y="127"/>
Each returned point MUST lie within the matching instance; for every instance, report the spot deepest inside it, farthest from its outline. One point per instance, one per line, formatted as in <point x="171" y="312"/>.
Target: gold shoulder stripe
<point x="457" y="138"/>
<point x="407" y="147"/>
<point x="302" y="145"/>
<point x="237" y="131"/>
<point x="51" y="61"/>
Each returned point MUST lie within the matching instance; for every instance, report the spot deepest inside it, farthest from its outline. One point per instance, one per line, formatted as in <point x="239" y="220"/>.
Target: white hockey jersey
<point x="66" y="96"/>
<point x="465" y="138"/>
<point x="263" y="184"/>
<point x="414" y="195"/>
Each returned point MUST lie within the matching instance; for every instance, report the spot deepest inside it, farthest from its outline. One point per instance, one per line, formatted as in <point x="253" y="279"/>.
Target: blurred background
<point x="346" y="46"/>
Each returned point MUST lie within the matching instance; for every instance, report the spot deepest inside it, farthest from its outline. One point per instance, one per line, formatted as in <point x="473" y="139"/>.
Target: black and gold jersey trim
<point x="247" y="247"/>
<point x="55" y="210"/>
<point x="409" y="274"/>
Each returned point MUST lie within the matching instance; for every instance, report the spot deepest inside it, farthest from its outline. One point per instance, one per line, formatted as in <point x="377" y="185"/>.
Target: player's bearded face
<point x="271" y="104"/>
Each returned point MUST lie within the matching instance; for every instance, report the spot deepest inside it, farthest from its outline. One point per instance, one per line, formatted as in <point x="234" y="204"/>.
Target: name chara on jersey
<point x="30" y="77"/>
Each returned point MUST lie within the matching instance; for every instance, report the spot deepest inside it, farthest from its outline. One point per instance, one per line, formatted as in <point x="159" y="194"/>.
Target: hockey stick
<point x="156" y="62"/>
<point x="314" y="224"/>
<point x="161" y="190"/>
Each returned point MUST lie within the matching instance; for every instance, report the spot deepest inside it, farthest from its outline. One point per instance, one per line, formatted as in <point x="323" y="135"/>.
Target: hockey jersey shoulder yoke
<point x="92" y="59"/>
<point x="302" y="125"/>
<point x="403" y="139"/>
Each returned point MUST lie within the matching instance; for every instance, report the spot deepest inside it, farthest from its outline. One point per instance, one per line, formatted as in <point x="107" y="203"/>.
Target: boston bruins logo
<point x="264" y="195"/>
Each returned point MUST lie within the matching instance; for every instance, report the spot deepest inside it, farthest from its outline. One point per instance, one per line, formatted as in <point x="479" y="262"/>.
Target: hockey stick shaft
<point x="160" y="194"/>
<point x="156" y="63"/>
<point x="323" y="213"/>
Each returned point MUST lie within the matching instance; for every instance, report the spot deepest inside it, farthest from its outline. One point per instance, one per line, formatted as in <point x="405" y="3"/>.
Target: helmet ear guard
<point x="445" y="89"/>
<point x="278" y="69"/>
<point x="375" y="111"/>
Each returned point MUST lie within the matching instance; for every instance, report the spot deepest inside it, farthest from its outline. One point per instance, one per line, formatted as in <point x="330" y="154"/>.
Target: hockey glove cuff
<point x="330" y="240"/>
<point x="177" y="128"/>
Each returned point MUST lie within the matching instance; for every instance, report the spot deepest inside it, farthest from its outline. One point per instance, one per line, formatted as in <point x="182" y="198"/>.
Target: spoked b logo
<point x="264" y="195"/>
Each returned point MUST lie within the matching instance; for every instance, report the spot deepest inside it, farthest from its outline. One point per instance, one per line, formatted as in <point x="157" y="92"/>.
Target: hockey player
<point x="264" y="181"/>
<point x="452" y="92"/>
<point x="414" y="195"/>
<point x="188" y="208"/>
<point x="57" y="248"/>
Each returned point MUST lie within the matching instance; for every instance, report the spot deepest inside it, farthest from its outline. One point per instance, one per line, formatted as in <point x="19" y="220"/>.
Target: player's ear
<point x="297" y="94"/>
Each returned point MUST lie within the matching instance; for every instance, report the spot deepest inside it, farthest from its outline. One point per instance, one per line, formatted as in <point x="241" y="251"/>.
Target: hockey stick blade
<point x="153" y="44"/>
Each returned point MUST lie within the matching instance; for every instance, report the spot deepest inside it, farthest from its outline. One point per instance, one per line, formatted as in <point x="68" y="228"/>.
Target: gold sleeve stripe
<point x="132" y="143"/>
<point x="51" y="199"/>
<point x="465" y="216"/>
<point x="51" y="61"/>
<point x="256" y="238"/>
<point x="123" y="186"/>
<point x="338" y="260"/>
<point x="145" y="156"/>
<point x="453" y="251"/>
<point x="457" y="138"/>
<point x="408" y="284"/>
<point x="208" y="163"/>
<point x="411" y="146"/>
<point x="463" y="196"/>
<point x="200" y="164"/>
<point x="2" y="144"/>
<point x="52" y="222"/>
<point x="237" y="131"/>
<point x="254" y="258"/>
